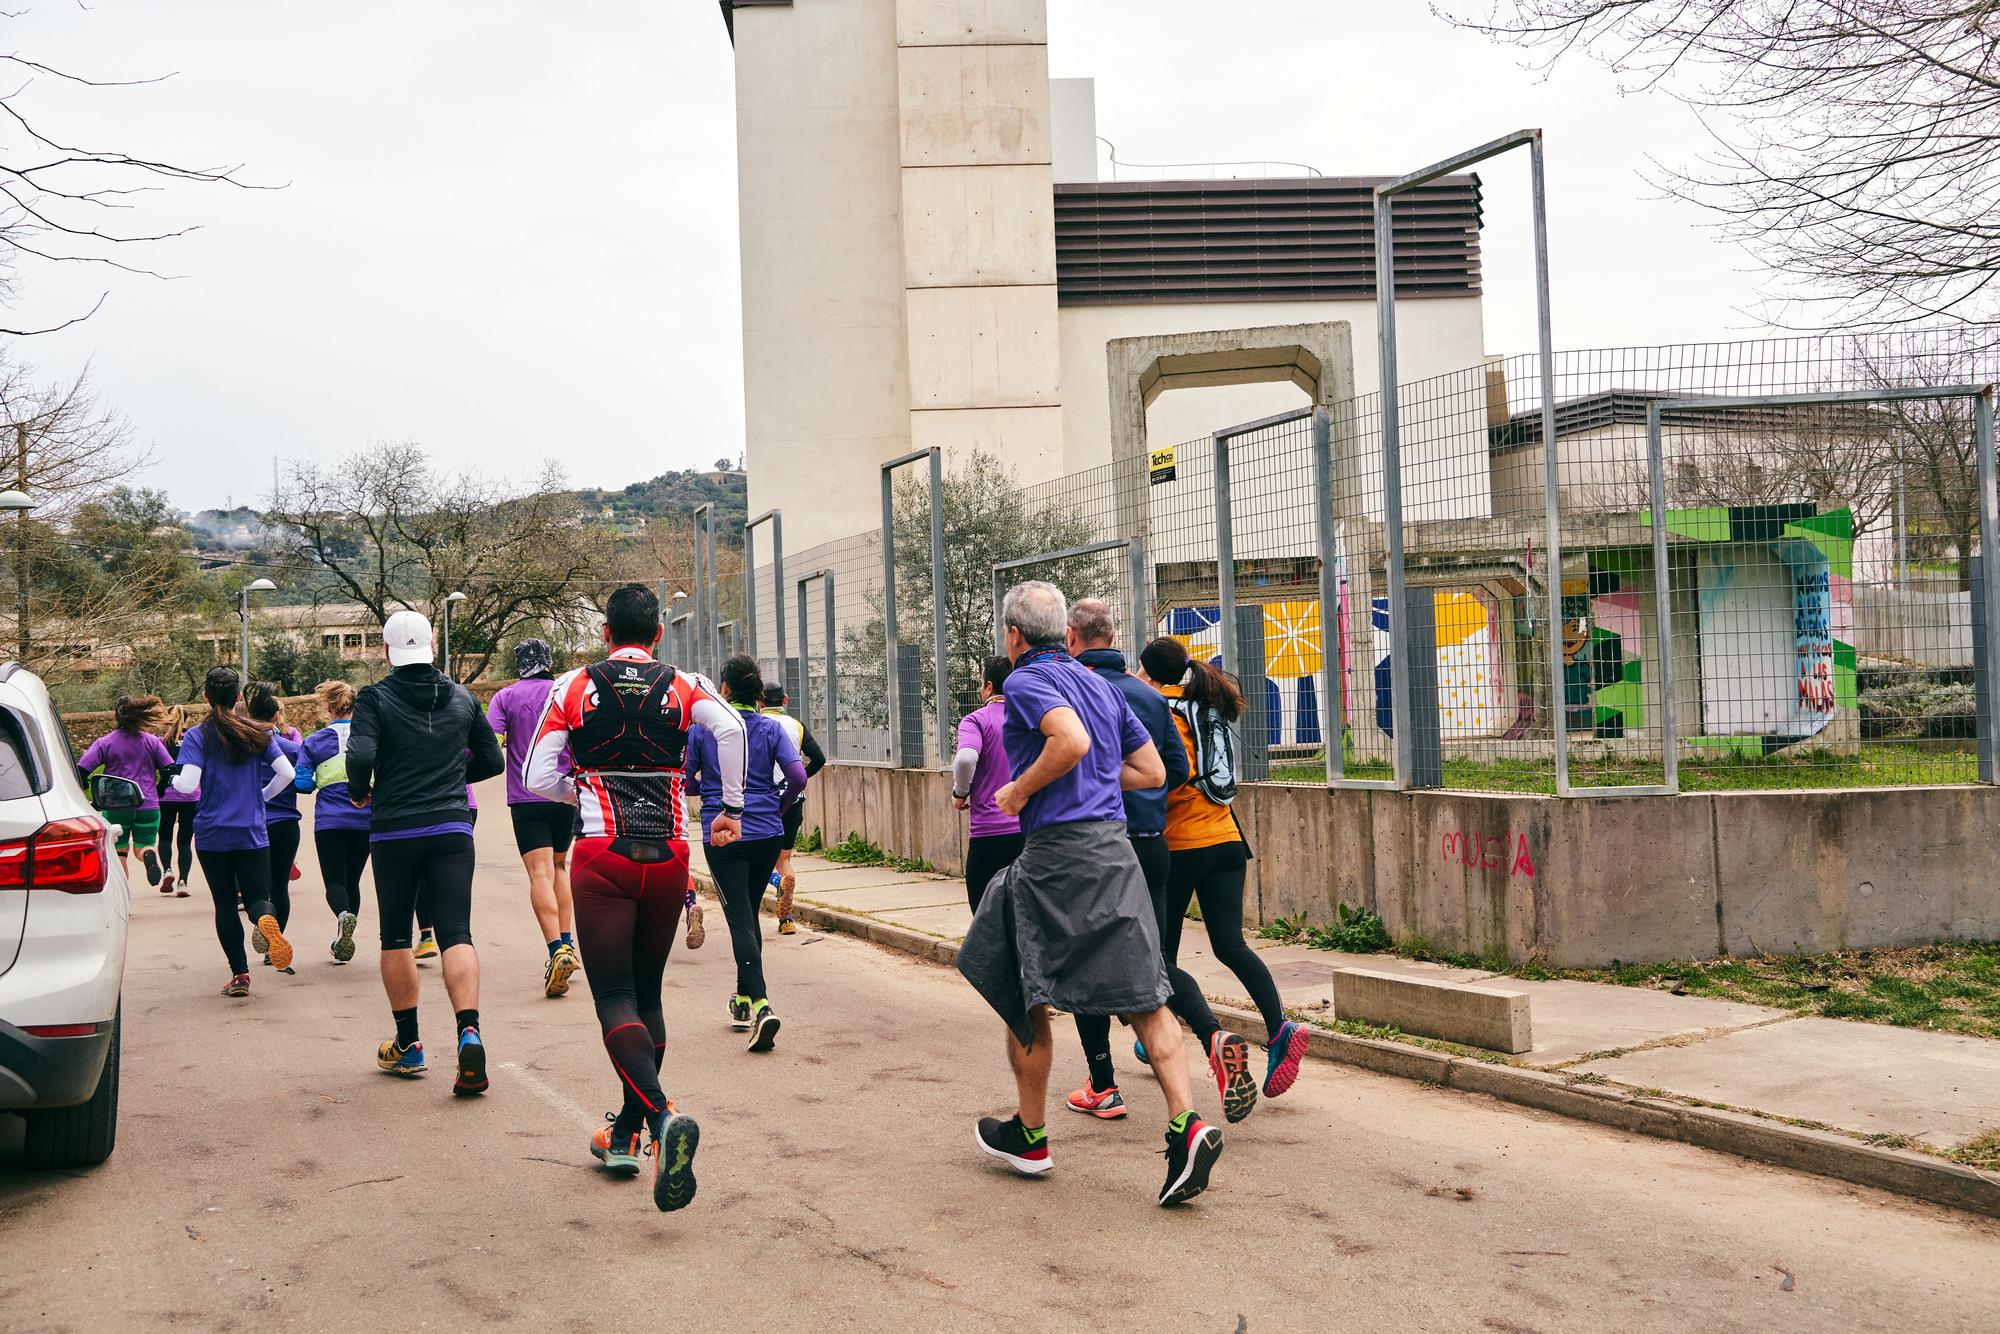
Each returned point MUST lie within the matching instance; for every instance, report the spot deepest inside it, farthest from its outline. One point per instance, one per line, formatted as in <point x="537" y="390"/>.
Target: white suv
<point x="63" y="909"/>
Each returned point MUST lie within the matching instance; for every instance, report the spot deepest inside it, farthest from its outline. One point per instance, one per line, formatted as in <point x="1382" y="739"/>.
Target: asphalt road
<point x="268" y="1176"/>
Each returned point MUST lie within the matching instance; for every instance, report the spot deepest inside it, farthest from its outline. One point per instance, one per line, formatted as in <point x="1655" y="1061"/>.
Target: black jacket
<point x="416" y="741"/>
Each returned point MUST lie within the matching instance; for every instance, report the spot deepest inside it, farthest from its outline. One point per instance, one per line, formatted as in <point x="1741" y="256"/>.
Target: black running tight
<point x="177" y="837"/>
<point x="343" y="856"/>
<point x="239" y="875"/>
<point x="742" y="873"/>
<point x="284" y="850"/>
<point x="1214" y="875"/>
<point x="433" y="873"/>
<point x="626" y="912"/>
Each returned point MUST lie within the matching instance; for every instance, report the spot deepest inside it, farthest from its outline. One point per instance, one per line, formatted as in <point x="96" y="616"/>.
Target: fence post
<point x="891" y="649"/>
<point x="999" y="627"/>
<point x="1663" y="596"/>
<point x="1989" y="541"/>
<point x="832" y="674"/>
<point x="1392" y="490"/>
<point x="805" y="656"/>
<point x="1332" y="717"/>
<point x="1142" y="629"/>
<point x="1246" y="628"/>
<point x="937" y="609"/>
<point x="1551" y="460"/>
<point x="777" y="519"/>
<point x="696" y="643"/>
<point x="1982" y="674"/>
<point x="1419" y="610"/>
<point x="1225" y="558"/>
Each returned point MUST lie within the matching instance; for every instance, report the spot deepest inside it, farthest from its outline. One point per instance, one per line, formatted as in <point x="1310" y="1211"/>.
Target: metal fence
<point x="1808" y="610"/>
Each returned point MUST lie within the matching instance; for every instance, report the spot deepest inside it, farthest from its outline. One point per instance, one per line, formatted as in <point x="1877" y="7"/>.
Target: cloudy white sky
<point x="508" y="226"/>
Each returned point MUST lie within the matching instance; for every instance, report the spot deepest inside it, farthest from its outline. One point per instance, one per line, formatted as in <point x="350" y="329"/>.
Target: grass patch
<point x="1982" y="1153"/>
<point x="1359" y="931"/>
<point x="855" y="850"/>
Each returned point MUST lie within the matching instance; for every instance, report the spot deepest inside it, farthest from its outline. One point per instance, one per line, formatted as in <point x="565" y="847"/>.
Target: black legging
<point x="423" y="905"/>
<point x="1094" y="1030"/>
<point x="434" y="871"/>
<point x="626" y="912"/>
<point x="986" y="857"/>
<point x="742" y="872"/>
<point x="284" y="849"/>
<point x="177" y="837"/>
<point x="343" y="856"/>
<point x="1215" y="875"/>
<point x="237" y="875"/>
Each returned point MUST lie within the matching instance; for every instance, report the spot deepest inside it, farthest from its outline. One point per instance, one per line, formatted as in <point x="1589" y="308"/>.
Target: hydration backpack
<point x="1214" y="759"/>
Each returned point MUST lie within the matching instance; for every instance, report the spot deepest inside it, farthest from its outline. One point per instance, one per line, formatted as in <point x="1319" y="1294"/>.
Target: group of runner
<point x="1099" y="805"/>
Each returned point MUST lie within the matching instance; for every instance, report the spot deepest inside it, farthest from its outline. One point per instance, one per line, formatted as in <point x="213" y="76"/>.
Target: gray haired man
<point x="1070" y="924"/>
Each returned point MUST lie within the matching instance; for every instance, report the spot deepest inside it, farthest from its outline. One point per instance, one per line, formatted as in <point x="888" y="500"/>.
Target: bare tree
<point x="386" y="530"/>
<point x="1857" y="142"/>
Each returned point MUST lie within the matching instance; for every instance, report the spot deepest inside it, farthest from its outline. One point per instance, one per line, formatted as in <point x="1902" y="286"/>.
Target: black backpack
<point x="1213" y="762"/>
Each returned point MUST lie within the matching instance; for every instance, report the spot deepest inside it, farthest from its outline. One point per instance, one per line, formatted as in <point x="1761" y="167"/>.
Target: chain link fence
<point x="1809" y="613"/>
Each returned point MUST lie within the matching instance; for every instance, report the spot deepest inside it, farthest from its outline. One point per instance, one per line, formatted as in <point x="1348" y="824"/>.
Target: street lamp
<point x="448" y="600"/>
<point x="18" y="502"/>
<point x="243" y="610"/>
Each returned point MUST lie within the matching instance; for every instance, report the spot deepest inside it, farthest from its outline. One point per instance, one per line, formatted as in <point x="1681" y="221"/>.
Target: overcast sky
<point x="508" y="227"/>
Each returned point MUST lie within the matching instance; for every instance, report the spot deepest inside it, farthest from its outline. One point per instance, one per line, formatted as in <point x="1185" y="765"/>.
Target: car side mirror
<point x="109" y="793"/>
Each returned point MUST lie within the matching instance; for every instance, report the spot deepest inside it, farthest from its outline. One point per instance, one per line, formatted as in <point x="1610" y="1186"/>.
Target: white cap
<point x="408" y="637"/>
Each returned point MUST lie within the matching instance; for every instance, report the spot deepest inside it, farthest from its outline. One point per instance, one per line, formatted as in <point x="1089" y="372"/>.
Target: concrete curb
<point x="1799" y="1148"/>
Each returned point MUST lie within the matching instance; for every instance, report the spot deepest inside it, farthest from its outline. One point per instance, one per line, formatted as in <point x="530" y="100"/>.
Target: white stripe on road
<point x="549" y="1094"/>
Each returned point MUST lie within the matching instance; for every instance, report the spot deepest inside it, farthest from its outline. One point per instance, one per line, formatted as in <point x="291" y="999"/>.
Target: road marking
<point x="548" y="1093"/>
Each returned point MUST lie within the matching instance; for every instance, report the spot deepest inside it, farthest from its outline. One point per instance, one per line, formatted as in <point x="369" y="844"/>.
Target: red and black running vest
<point x="635" y="741"/>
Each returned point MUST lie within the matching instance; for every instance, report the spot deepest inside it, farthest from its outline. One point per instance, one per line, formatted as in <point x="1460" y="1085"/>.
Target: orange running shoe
<point x="621" y="1157"/>
<point x="1106" y="1106"/>
<point x="276" y="947"/>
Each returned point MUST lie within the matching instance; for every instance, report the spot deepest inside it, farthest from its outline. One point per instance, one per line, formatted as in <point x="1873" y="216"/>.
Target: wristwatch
<point x="733" y="812"/>
<point x="961" y="796"/>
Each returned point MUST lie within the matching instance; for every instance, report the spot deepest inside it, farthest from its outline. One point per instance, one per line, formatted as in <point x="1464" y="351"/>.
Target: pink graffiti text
<point x="1490" y="852"/>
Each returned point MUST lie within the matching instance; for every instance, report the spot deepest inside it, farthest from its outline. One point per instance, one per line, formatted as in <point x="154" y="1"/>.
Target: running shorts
<point x="543" y="824"/>
<point x="135" y="828"/>
<point x="793" y="816"/>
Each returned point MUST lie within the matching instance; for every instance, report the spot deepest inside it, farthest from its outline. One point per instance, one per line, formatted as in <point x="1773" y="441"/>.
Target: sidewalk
<point x="1863" y="1102"/>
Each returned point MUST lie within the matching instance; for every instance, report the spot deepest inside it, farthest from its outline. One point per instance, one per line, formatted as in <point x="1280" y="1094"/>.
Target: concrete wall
<point x="1575" y="883"/>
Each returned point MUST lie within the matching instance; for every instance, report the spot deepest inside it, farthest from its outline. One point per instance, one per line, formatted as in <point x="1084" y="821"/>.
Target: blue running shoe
<point x="407" y="1061"/>
<point x="471" y="1065"/>
<point x="1287" y="1049"/>
<point x="1139" y="1052"/>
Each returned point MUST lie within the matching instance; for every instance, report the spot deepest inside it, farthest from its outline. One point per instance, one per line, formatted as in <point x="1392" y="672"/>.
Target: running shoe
<point x="618" y="1152"/>
<point x="555" y="977"/>
<point x="696" y="932"/>
<point x="407" y="1061"/>
<point x="1229" y="1062"/>
<point x="343" y="944"/>
<point x="295" y="871"/>
<point x="788" y="888"/>
<point x="1139" y="1052"/>
<point x="673" y="1161"/>
<point x="150" y="859"/>
<point x="1190" y="1154"/>
<point x="1008" y="1142"/>
<point x="739" y="1013"/>
<point x="1106" y="1106"/>
<point x="471" y="1065"/>
<point x="239" y="985"/>
<point x="787" y="927"/>
<point x="765" y="1024"/>
<point x="1287" y="1049"/>
<point x="167" y="883"/>
<point x="258" y="945"/>
<point x="427" y="946"/>
<point x="278" y="950"/>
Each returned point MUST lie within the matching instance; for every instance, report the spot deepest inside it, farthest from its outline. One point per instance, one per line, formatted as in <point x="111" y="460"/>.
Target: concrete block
<point x="1030" y="439"/>
<point x="1474" y="1015"/>
<point x="1290" y="832"/>
<point x="965" y="22"/>
<point x="1624" y="878"/>
<point x="978" y="347"/>
<point x="974" y="106"/>
<point x="978" y="226"/>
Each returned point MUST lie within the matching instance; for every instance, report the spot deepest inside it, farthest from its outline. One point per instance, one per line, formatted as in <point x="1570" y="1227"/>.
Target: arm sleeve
<point x="543" y="774"/>
<point x="964" y="765"/>
<point x="361" y="738"/>
<point x="486" y="758"/>
<point x="281" y="771"/>
<point x="795" y="782"/>
<point x="815" y="757"/>
<point x="732" y="746"/>
<point x="188" y="780"/>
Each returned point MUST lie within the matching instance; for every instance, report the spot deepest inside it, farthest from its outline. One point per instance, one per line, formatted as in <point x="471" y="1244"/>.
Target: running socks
<point x="406" y="1026"/>
<point x="557" y="944"/>
<point x="466" y="1019"/>
<point x="1179" y="1124"/>
<point x="569" y="939"/>
<point x="1039" y="1134"/>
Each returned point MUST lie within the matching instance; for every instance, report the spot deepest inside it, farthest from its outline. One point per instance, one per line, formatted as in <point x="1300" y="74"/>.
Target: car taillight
<point x="66" y="855"/>
<point x="60" y="1030"/>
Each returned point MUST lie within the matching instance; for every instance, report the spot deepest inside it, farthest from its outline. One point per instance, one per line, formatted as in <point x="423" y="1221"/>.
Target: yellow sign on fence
<point x="1160" y="466"/>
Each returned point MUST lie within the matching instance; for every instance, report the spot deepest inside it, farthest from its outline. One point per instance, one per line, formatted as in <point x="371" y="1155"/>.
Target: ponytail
<point x="139" y="713"/>
<point x="1167" y="662"/>
<point x="743" y="679"/>
<point x="241" y="738"/>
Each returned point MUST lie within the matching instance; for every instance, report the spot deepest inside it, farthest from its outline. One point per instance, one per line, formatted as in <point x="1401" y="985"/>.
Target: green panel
<point x="1845" y="695"/>
<point x="1702" y="525"/>
<point x="1628" y="698"/>
<point x="1833" y="534"/>
<point x="1834" y="523"/>
<point x="1621" y="560"/>
<point x="1632" y="670"/>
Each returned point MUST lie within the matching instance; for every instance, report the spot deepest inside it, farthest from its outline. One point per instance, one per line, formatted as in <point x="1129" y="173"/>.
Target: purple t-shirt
<point x="980" y="731"/>
<point x="138" y="756"/>
<point x="231" y="815"/>
<point x="284" y="806"/>
<point x="515" y="713"/>
<point x="1090" y="791"/>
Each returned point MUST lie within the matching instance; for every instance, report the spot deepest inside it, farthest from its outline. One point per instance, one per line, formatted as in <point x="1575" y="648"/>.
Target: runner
<point x="1069" y="925"/>
<point x="281" y="812"/>
<point x="1091" y="634"/>
<point x="542" y="828"/>
<point x="993" y="837"/>
<point x="623" y="722"/>
<point x="1209" y="859"/>
<point x="221" y="758"/>
<point x="340" y="829"/>
<point x="130" y="750"/>
<point x="417" y="740"/>
<point x="742" y="866"/>
<point x="793" y="815"/>
<point x="177" y="810"/>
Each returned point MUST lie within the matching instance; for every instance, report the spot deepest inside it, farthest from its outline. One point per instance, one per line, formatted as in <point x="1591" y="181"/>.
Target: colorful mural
<point x="1292" y="658"/>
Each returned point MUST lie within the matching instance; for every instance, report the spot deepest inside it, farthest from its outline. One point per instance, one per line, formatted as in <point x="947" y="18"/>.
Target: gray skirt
<point x="1068" y="925"/>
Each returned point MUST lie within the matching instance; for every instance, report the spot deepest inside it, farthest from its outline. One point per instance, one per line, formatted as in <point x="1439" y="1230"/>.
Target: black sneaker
<point x="150" y="859"/>
<point x="764" y="1027"/>
<point x="1008" y="1142"/>
<point x="1190" y="1153"/>
<point x="673" y="1162"/>
<point x="739" y="1013"/>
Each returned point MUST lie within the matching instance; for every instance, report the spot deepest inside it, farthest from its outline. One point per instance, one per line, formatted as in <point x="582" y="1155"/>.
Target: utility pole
<point x="21" y="546"/>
